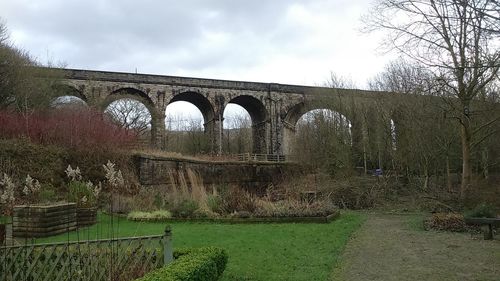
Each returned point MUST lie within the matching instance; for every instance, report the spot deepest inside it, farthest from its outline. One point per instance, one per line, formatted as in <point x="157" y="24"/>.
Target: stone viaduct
<point x="274" y="108"/>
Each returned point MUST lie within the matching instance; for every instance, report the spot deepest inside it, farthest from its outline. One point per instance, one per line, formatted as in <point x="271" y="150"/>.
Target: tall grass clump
<point x="189" y="196"/>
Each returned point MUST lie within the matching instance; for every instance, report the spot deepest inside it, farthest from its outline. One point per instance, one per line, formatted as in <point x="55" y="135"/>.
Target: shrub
<point x="241" y="215"/>
<point x="354" y="194"/>
<point x="184" y="209"/>
<point x="47" y="194"/>
<point x="149" y="216"/>
<point x="143" y="198"/>
<point x="293" y="208"/>
<point x="204" y="213"/>
<point x="214" y="203"/>
<point x="236" y="199"/>
<point x="91" y="163"/>
<point x="44" y="163"/>
<point x="482" y="210"/>
<point x="158" y="201"/>
<point x="445" y="221"/>
<point x="203" y="264"/>
<point x="69" y="128"/>
<point x="82" y="194"/>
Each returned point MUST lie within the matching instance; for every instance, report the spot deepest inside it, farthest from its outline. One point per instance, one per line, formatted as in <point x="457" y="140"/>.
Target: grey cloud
<point x="101" y="33"/>
<point x="164" y="36"/>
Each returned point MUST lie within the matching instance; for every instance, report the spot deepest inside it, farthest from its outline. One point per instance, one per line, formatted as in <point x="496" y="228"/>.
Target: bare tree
<point x="19" y="87"/>
<point x="458" y="40"/>
<point x="339" y="81"/>
<point x="323" y="140"/>
<point x="3" y="32"/>
<point x="238" y="134"/>
<point x="186" y="134"/>
<point x="130" y="114"/>
<point x="401" y="76"/>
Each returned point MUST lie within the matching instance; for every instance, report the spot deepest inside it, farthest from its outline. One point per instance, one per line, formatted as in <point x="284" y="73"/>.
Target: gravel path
<point x="388" y="248"/>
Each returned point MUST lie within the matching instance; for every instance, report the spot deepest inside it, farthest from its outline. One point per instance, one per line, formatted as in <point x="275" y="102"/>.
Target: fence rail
<point x="119" y="259"/>
<point x="249" y="157"/>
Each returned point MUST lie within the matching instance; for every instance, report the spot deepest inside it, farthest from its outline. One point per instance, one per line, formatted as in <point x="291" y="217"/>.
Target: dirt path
<point x="387" y="247"/>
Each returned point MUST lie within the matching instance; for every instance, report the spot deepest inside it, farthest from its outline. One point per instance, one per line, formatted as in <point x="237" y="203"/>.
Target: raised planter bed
<point x="324" y="219"/>
<point x="43" y="220"/>
<point x="86" y="216"/>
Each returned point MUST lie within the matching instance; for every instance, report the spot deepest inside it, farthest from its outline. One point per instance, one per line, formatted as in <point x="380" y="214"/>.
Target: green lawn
<point x="256" y="251"/>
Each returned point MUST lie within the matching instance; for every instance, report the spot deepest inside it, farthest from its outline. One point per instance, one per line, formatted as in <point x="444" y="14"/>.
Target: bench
<point x="489" y="222"/>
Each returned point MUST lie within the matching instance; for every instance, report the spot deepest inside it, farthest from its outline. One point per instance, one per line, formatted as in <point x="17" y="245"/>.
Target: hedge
<point x="201" y="264"/>
<point x="235" y="220"/>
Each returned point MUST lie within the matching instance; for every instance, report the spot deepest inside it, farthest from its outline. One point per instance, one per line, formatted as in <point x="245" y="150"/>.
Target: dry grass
<point x="180" y="156"/>
<point x="187" y="186"/>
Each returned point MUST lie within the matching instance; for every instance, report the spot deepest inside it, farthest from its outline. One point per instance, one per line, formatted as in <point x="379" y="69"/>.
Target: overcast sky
<point x="281" y="41"/>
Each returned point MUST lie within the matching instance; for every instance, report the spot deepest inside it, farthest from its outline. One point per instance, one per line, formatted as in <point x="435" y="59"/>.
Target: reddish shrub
<point x="83" y="128"/>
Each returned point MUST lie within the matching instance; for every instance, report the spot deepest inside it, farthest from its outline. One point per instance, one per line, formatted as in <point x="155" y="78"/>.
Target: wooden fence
<point x="120" y="259"/>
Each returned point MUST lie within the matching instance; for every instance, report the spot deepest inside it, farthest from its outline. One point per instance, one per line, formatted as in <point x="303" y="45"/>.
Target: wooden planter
<point x="86" y="216"/>
<point x="43" y="221"/>
<point x="3" y="232"/>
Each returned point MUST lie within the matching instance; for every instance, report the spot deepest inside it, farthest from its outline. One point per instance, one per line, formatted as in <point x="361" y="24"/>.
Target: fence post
<point x="168" y="255"/>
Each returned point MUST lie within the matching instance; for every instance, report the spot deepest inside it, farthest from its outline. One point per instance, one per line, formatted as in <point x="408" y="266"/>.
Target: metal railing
<point x="249" y="157"/>
<point x="119" y="259"/>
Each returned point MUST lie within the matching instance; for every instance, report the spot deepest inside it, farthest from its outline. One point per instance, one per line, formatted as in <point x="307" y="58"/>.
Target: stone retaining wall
<point x="254" y="176"/>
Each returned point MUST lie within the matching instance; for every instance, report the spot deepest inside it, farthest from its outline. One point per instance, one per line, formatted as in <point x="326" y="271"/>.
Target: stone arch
<point x="130" y="93"/>
<point x="295" y="112"/>
<point x="211" y="123"/>
<point x="61" y="90"/>
<point x="259" y="116"/>
<point x="202" y="103"/>
<point x="140" y="96"/>
<point x="68" y="96"/>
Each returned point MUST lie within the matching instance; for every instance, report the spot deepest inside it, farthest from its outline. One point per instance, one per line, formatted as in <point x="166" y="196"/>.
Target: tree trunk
<point x="365" y="164"/>
<point x="449" y="184"/>
<point x="466" y="153"/>
<point x="484" y="160"/>
<point x="426" y="175"/>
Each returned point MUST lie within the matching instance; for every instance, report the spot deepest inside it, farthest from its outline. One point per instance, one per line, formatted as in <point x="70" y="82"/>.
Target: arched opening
<point x="258" y="116"/>
<point x="68" y="97"/>
<point x="134" y="110"/>
<point x="237" y="136"/>
<point x="335" y="116"/>
<point x="189" y="122"/>
<point x="132" y="115"/>
<point x="183" y="116"/>
<point x="129" y="93"/>
<point x="69" y="102"/>
<point x="323" y="139"/>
